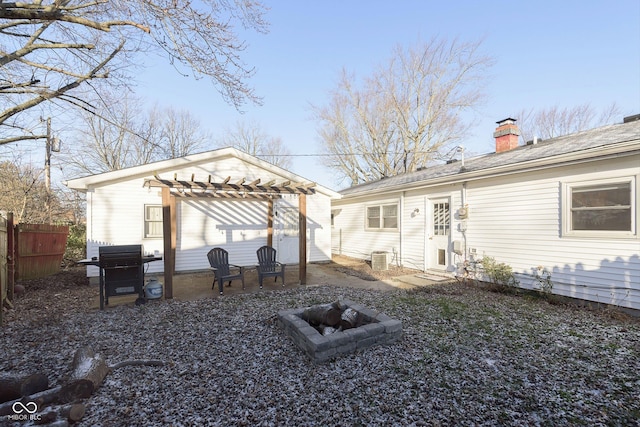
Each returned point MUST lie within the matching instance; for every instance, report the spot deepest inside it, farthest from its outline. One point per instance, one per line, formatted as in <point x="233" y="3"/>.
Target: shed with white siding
<point x="121" y="209"/>
<point x="567" y="204"/>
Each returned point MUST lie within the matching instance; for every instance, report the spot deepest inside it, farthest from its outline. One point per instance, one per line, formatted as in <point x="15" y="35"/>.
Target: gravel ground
<point x="467" y="357"/>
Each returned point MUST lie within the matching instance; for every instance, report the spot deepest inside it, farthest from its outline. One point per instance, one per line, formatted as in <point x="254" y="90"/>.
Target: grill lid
<point x="120" y="255"/>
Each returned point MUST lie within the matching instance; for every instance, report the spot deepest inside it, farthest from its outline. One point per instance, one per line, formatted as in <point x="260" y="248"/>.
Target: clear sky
<point x="560" y="52"/>
<point x="548" y="53"/>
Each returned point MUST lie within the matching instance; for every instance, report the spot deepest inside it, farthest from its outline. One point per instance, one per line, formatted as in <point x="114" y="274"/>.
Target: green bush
<point x="76" y="243"/>
<point x="500" y="273"/>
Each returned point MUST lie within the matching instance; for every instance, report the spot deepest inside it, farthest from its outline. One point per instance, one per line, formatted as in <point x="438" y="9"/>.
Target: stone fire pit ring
<point x="377" y="328"/>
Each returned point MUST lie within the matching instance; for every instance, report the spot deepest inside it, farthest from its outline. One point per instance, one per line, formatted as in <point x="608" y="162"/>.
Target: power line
<point x="363" y="153"/>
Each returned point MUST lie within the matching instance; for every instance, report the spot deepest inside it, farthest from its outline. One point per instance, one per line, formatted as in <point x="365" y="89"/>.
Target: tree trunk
<point x="73" y="413"/>
<point x="13" y="386"/>
<point x="323" y="314"/>
<point x="88" y="371"/>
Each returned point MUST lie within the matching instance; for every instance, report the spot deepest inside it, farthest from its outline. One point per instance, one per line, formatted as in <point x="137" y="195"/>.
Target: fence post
<point x="11" y="267"/>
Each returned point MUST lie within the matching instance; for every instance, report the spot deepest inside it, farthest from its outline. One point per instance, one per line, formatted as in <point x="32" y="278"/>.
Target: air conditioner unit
<point x="379" y="261"/>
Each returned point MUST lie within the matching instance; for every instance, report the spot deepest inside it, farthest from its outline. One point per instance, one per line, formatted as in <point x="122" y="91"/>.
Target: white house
<point x="568" y="204"/>
<point x="124" y="207"/>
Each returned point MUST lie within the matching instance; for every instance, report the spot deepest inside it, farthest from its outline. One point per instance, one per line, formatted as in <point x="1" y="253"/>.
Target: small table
<point x="95" y="261"/>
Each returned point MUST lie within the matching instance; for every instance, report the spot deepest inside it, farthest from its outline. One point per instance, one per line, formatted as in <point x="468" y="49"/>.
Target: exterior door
<point x="439" y="234"/>
<point x="285" y="225"/>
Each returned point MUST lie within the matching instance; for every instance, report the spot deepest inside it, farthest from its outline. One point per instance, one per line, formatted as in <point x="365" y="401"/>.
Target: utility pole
<point x="53" y="144"/>
<point x="47" y="171"/>
<point x="47" y="162"/>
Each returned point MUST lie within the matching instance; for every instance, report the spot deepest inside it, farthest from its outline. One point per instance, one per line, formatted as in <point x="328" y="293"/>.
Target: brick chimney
<point x="506" y="135"/>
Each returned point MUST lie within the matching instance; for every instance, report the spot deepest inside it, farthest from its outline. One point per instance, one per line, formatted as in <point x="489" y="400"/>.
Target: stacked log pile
<point x="29" y="399"/>
<point x="332" y="317"/>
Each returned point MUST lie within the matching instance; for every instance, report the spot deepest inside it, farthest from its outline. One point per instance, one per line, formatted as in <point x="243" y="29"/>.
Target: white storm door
<point x="286" y="232"/>
<point x="439" y="234"/>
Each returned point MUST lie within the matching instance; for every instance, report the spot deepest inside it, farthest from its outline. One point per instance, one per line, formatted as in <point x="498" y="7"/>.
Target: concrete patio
<point x="198" y="285"/>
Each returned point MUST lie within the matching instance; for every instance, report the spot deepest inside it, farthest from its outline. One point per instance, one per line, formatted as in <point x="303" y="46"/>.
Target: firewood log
<point x="41" y="398"/>
<point x="327" y="314"/>
<point x="73" y="413"/>
<point x="14" y="386"/>
<point x="88" y="372"/>
<point x="349" y="318"/>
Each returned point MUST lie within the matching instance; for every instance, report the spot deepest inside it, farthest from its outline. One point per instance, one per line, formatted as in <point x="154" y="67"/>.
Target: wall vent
<point x="379" y="261"/>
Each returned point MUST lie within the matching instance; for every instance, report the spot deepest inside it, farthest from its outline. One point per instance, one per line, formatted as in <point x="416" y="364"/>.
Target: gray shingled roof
<point x="574" y="143"/>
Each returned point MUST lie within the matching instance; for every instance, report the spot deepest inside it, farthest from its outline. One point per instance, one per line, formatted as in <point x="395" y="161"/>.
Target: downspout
<point x="425" y="233"/>
<point x="463" y="202"/>
<point x="400" y="225"/>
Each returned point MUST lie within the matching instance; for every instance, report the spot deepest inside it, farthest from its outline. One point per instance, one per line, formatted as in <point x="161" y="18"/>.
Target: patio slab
<point x="197" y="285"/>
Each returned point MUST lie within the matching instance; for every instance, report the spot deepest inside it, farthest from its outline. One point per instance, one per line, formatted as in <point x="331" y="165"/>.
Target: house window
<point x="600" y="208"/>
<point x="153" y="221"/>
<point x="382" y="217"/>
<point x="441" y="219"/>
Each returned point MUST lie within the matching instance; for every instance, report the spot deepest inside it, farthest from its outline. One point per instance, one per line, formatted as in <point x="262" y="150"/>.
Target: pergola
<point x="173" y="189"/>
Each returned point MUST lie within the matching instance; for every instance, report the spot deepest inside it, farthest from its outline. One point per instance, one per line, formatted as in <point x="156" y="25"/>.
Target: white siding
<point x="240" y="227"/>
<point x="518" y="221"/>
<point x="115" y="216"/>
<point x="349" y="236"/>
<point x="318" y="228"/>
<point x="415" y="216"/>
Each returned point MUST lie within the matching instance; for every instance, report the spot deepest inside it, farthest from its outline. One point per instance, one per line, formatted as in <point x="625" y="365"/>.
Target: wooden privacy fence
<point x="39" y="249"/>
<point x="28" y="251"/>
<point x="4" y="265"/>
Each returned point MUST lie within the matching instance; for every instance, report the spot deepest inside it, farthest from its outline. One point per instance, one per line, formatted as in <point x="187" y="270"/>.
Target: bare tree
<point x="252" y="139"/>
<point x="25" y="194"/>
<point x="406" y="114"/>
<point x="181" y="133"/>
<point x="61" y="52"/>
<point x="109" y="141"/>
<point x="555" y="121"/>
<point x="125" y="136"/>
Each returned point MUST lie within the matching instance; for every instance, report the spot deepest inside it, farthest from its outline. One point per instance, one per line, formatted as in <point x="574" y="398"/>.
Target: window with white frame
<point x="382" y="217"/>
<point x="153" y="221"/>
<point x="603" y="207"/>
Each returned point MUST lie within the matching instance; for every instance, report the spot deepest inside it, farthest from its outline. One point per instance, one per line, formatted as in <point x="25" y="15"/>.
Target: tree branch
<point x="53" y="13"/>
<point x="20" y="138"/>
<point x="53" y="94"/>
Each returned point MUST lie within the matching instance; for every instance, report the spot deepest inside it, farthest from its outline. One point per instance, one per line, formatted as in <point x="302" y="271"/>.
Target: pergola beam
<point x="286" y="187"/>
<point x="169" y="239"/>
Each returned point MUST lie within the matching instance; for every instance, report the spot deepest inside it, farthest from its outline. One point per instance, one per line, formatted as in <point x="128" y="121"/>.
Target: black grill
<point x="122" y="271"/>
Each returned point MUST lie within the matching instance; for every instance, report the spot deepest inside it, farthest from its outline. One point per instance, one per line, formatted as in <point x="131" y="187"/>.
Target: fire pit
<point x="358" y="328"/>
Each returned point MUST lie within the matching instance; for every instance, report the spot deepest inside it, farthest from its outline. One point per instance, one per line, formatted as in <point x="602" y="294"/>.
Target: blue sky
<point x="547" y="53"/>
